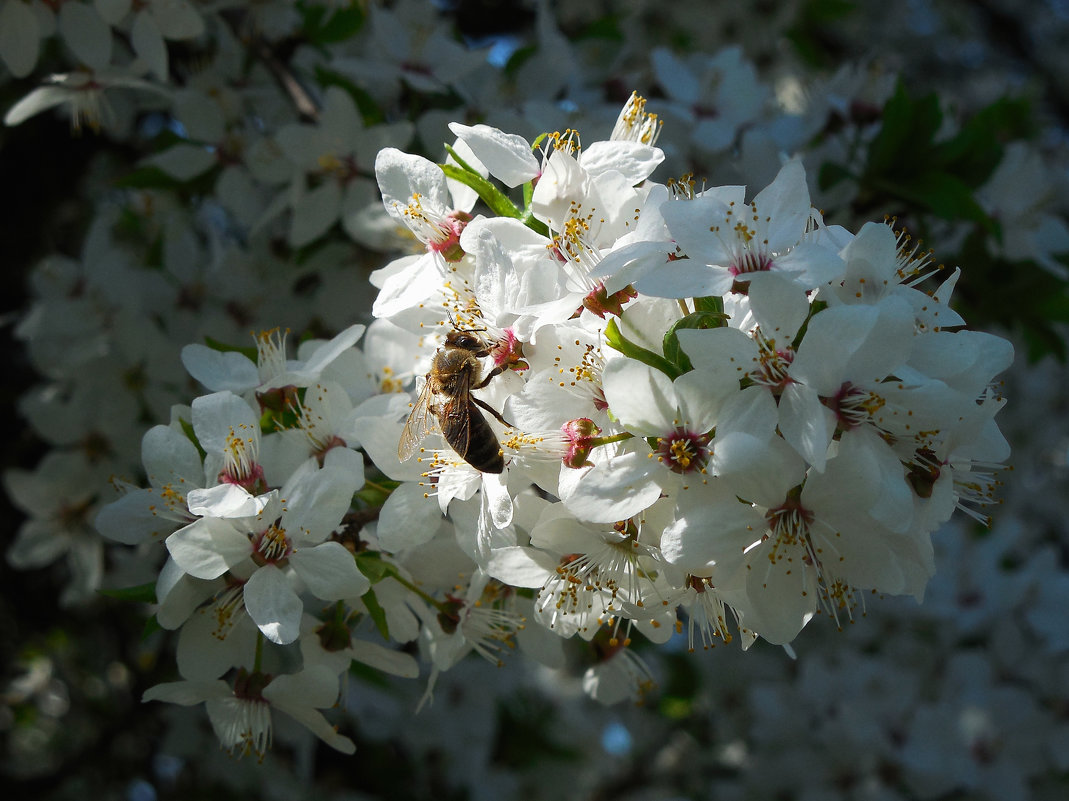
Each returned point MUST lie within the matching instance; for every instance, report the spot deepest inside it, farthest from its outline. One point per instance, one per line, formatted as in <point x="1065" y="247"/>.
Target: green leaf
<point x="831" y="174"/>
<point x="370" y="112"/>
<point x="460" y="161"/>
<point x="518" y="58"/>
<point x="712" y="303"/>
<point x="617" y="341"/>
<point x="187" y="429"/>
<point x="947" y="196"/>
<point x="142" y="593"/>
<point x="378" y="615"/>
<point x="339" y="26"/>
<point x="907" y="132"/>
<point x="530" y="734"/>
<point x="809" y="34"/>
<point x="372" y="565"/>
<point x="1041" y="299"/>
<point x="607" y="27"/>
<point x="152" y="177"/>
<point x="147" y="178"/>
<point x="152" y="625"/>
<point x="488" y="193"/>
<point x="247" y="350"/>
<point x="369" y="675"/>
<point x="700" y="320"/>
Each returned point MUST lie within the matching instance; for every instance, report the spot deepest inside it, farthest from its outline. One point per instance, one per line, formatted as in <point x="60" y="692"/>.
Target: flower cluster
<point x="617" y="405"/>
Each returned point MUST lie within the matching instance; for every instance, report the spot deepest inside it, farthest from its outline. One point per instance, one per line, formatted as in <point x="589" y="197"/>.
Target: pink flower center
<point x="683" y="451"/>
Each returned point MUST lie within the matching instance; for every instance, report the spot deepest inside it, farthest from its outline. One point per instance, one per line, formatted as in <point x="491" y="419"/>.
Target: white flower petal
<point x="203" y="654"/>
<point x="779" y="598"/>
<point x="133" y="519"/>
<point x="112" y="11"/>
<point x="220" y="370"/>
<point x="408" y="518"/>
<point x="508" y="157"/>
<point x="634" y="160"/>
<point x="148" y="43"/>
<point x="521" y="567"/>
<point x="806" y="423"/>
<point x="786" y="203"/>
<point x="314" y="213"/>
<point x="273" y="605"/>
<point x="713" y="528"/>
<point x="226" y="501"/>
<point x="300" y="694"/>
<point x="683" y="278"/>
<point x="187" y="693"/>
<point x="40" y="99"/>
<point x="779" y="306"/>
<point x="184" y="161"/>
<point x="726" y="353"/>
<point x="640" y="397"/>
<point x="329" y="571"/>
<point x="221" y="415"/>
<point x="316" y="503"/>
<point x="387" y="660"/>
<point x="19" y="38"/>
<point x="829" y="343"/>
<point x="177" y="19"/>
<point x="613" y="490"/>
<point x="400" y="175"/>
<point x="180" y="595"/>
<point x="87" y="35"/>
<point x="498" y="501"/>
<point x="208" y="547"/>
<point x="329" y="351"/>
<point x="170" y="457"/>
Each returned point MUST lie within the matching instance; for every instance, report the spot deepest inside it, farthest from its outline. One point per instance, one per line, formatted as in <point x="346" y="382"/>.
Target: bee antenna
<point x="458" y="327"/>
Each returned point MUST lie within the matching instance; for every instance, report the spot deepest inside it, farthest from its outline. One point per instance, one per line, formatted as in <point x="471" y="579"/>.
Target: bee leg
<point x="490" y="376"/>
<point x="494" y="412"/>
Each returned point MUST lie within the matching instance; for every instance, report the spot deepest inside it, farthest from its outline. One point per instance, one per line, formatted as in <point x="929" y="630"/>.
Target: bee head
<point x="465" y="340"/>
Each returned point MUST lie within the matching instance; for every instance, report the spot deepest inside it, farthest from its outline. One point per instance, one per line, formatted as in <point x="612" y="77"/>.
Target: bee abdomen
<point x="484" y="451"/>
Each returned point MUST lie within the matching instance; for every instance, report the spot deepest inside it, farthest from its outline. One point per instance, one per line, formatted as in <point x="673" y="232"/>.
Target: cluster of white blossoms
<point x="616" y="405"/>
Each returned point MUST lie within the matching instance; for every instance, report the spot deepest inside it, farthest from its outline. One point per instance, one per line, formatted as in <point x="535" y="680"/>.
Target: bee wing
<point x="417" y="426"/>
<point x="456" y="423"/>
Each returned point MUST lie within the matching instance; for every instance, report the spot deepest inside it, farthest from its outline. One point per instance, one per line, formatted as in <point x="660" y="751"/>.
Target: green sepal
<point x="377" y="613"/>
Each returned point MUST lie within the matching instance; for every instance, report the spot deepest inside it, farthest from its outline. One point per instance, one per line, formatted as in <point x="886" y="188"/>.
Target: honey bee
<point x="446" y="399"/>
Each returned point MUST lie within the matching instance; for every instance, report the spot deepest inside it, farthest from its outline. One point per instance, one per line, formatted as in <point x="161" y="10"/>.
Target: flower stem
<point x="258" y="659"/>
<point x="408" y="585"/>
<point x="594" y="442"/>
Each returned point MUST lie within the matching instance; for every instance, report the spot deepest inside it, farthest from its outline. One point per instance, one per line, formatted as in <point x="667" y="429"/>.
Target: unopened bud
<point x="578" y="434"/>
<point x="600" y="302"/>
